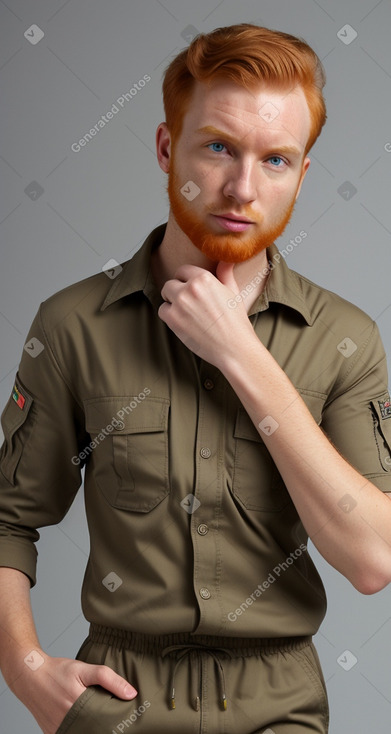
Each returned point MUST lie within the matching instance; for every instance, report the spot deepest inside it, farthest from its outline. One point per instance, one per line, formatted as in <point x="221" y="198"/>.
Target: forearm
<point x="47" y="686"/>
<point x="353" y="536"/>
<point x="18" y="636"/>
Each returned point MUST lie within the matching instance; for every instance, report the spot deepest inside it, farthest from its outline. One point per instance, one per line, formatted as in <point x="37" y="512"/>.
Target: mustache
<point x="223" y="210"/>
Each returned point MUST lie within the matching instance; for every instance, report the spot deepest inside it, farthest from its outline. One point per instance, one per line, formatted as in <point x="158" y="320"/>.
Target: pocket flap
<point x="13" y="417"/>
<point x="16" y="409"/>
<point x="244" y="427"/>
<point x="314" y="402"/>
<point x="126" y="414"/>
<point x="382" y="425"/>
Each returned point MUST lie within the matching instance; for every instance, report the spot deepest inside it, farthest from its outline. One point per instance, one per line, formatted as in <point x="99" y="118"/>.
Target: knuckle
<point x="194" y="289"/>
<point x="205" y="277"/>
<point x="198" y="284"/>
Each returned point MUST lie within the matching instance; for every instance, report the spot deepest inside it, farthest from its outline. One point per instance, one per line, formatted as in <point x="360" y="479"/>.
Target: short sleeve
<point x="357" y="416"/>
<point x="43" y="430"/>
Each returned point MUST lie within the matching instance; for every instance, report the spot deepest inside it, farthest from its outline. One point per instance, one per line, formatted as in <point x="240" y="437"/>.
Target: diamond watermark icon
<point x="190" y="503"/>
<point x="268" y="112"/>
<point x="33" y="347"/>
<point x="190" y="190"/>
<point x="268" y="425"/>
<point x="112" y="581"/>
<point x="34" y="660"/>
<point x="347" y="34"/>
<point x="34" y="34"/>
<point x="34" y="190"/>
<point x="189" y="33"/>
<point x="347" y="503"/>
<point x="111" y="268"/>
<point x="347" y="347"/>
<point x="347" y="660"/>
<point x="347" y="190"/>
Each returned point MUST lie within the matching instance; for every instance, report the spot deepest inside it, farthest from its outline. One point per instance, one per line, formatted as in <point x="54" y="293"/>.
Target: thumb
<point x="105" y="677"/>
<point x="225" y="274"/>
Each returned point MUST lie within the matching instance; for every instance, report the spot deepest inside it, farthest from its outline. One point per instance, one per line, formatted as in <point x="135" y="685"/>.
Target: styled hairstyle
<point x="248" y="55"/>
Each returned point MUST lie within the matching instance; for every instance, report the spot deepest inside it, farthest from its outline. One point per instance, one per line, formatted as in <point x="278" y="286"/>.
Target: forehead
<point x="280" y="115"/>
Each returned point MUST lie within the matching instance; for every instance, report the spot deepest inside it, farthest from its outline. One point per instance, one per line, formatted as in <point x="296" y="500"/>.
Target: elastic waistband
<point x="155" y="644"/>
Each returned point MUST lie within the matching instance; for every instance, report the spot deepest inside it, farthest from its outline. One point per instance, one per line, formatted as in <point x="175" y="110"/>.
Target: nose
<point x="240" y="184"/>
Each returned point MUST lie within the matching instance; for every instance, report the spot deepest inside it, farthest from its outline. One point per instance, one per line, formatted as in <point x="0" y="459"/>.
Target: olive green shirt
<point x="192" y="528"/>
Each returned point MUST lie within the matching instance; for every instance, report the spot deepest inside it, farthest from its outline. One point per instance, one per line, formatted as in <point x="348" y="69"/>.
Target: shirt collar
<point x="282" y="286"/>
<point x="135" y="275"/>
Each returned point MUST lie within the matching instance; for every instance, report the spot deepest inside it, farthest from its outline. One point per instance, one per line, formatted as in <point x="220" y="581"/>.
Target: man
<point x="225" y="409"/>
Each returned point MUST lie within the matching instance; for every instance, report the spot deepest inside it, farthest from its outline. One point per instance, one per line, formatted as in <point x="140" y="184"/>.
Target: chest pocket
<point x="128" y="453"/>
<point x="256" y="482"/>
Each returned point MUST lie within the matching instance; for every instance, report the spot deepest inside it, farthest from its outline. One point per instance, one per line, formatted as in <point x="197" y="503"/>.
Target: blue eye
<point x="276" y="161"/>
<point x="216" y="147"/>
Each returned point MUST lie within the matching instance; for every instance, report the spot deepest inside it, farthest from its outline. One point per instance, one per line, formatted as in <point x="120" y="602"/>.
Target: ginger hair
<point x="247" y="55"/>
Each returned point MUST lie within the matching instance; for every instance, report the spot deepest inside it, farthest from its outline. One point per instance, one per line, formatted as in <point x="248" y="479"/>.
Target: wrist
<point x="19" y="661"/>
<point x="239" y="359"/>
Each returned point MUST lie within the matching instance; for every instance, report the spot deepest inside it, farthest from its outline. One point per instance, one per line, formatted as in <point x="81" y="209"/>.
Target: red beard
<point x="231" y="247"/>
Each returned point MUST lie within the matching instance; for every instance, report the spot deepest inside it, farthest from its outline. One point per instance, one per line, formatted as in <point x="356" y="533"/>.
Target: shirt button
<point x="202" y="529"/>
<point x="205" y="452"/>
<point x="205" y="593"/>
<point x="119" y="425"/>
<point x="209" y="384"/>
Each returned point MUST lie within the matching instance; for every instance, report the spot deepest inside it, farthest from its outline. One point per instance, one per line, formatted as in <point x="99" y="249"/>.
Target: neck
<point x="176" y="249"/>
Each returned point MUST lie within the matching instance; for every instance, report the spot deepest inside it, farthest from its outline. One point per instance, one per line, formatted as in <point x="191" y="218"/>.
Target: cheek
<point x="213" y="169"/>
<point x="281" y="193"/>
<point x="210" y="181"/>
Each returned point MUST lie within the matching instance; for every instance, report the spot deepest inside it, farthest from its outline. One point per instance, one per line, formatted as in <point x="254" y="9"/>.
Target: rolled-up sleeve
<point x="40" y="469"/>
<point x="357" y="416"/>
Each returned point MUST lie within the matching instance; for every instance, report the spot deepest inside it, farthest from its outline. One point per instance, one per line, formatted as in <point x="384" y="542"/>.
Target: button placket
<point x="209" y="491"/>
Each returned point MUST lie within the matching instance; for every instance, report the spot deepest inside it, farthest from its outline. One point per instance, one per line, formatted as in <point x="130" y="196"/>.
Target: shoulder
<point x="345" y="338"/>
<point x="81" y="300"/>
<point x="325" y="304"/>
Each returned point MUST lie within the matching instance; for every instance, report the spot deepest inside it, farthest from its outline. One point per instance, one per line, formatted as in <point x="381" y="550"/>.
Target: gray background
<point x="101" y="202"/>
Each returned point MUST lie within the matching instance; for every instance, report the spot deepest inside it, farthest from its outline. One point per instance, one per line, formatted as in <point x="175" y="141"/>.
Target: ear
<point x="163" y="146"/>
<point x="305" y="167"/>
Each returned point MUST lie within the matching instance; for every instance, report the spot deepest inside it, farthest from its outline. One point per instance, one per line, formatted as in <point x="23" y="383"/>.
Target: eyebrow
<point x="211" y="130"/>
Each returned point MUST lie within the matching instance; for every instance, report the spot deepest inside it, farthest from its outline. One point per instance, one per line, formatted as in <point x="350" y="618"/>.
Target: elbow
<point x="371" y="582"/>
<point x="370" y="587"/>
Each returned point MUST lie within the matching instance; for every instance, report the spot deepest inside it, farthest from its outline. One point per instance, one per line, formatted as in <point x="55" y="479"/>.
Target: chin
<point x="229" y="249"/>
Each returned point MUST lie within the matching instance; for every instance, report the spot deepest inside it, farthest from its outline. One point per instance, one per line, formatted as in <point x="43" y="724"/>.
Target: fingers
<point x="163" y="312"/>
<point x="104" y="676"/>
<point x="171" y="289"/>
<point x="186" y="272"/>
<point x="188" y="276"/>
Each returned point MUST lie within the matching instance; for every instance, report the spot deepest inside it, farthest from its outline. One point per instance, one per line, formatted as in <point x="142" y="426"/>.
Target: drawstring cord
<point x="187" y="650"/>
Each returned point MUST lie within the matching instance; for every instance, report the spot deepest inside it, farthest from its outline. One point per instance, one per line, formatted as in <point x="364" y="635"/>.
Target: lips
<point x="235" y="217"/>
<point x="233" y="222"/>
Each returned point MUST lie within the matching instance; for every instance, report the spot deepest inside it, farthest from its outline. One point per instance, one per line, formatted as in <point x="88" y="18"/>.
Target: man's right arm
<point x="47" y="686"/>
<point x="44" y="427"/>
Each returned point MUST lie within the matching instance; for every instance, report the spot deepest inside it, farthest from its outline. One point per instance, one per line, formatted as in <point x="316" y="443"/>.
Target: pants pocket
<point x="310" y="663"/>
<point x="80" y="719"/>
